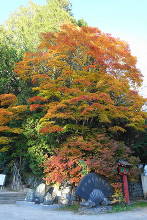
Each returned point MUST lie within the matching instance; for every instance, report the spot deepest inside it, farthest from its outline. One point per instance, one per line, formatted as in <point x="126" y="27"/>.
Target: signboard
<point x="2" y="179"/>
<point x="145" y="170"/>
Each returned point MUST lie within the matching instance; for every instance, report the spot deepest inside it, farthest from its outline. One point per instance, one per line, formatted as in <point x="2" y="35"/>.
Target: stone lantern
<point x="123" y="170"/>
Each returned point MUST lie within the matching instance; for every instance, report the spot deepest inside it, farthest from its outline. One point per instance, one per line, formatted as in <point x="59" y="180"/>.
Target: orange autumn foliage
<point x="99" y="153"/>
<point x="9" y="111"/>
<point x="37" y="99"/>
<point x="34" y="107"/>
<point x="84" y="74"/>
<point x="7" y="99"/>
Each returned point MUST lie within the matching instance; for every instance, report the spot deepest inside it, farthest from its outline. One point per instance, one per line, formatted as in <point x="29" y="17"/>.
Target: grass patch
<point x="125" y="207"/>
<point x="115" y="208"/>
<point x="72" y="208"/>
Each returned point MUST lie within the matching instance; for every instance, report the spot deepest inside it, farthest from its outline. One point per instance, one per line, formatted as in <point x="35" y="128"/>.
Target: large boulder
<point x="40" y="193"/>
<point x="30" y="196"/>
<point x="65" y="196"/>
<point x="49" y="199"/>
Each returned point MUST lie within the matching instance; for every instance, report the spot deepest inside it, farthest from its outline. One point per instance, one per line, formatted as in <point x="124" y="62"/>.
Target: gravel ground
<point x="20" y="212"/>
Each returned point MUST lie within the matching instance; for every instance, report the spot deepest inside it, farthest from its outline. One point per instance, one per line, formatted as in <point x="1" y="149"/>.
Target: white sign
<point x="2" y="179"/>
<point x="145" y="170"/>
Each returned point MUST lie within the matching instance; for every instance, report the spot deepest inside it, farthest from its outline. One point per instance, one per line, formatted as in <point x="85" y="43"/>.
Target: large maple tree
<point x="86" y="85"/>
<point x="84" y="79"/>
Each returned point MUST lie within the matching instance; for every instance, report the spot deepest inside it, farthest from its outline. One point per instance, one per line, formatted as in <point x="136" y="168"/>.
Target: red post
<point x="126" y="190"/>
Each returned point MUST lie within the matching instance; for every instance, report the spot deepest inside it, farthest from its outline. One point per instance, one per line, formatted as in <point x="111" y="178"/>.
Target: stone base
<point x="95" y="210"/>
<point x="32" y="204"/>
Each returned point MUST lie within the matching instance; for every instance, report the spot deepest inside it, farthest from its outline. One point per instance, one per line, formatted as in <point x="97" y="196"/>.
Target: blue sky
<point x="126" y="19"/>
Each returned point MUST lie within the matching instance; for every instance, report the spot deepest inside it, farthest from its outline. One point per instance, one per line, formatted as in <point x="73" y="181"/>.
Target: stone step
<point x="11" y="197"/>
<point x="7" y="201"/>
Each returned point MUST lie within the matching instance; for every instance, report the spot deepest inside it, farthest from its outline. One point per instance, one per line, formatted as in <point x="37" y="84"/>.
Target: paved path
<point x="19" y="212"/>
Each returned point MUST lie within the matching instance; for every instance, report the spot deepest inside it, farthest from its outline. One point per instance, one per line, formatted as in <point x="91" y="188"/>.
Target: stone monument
<point x="95" y="190"/>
